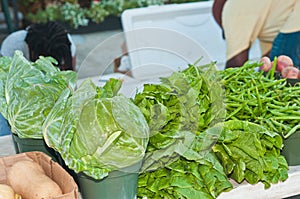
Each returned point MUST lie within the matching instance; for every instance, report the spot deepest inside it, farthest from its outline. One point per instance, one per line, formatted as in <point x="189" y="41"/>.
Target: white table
<point x="288" y="188"/>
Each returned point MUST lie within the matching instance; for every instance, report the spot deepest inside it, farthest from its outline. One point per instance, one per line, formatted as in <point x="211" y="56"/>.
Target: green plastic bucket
<point x="117" y="185"/>
<point x="291" y="149"/>
<point x="29" y="144"/>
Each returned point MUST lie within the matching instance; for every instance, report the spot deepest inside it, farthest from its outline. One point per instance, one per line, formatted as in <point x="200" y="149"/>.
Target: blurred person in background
<point x="46" y="39"/>
<point x="275" y="23"/>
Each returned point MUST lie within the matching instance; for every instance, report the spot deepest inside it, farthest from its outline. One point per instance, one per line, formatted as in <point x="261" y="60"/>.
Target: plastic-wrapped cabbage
<point x="4" y="67"/>
<point x="29" y="90"/>
<point x="97" y="131"/>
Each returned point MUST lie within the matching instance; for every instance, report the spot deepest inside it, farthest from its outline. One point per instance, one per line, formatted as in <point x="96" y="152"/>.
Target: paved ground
<point x="95" y="52"/>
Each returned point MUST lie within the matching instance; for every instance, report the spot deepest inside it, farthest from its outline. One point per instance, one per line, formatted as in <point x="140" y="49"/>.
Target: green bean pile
<point x="261" y="98"/>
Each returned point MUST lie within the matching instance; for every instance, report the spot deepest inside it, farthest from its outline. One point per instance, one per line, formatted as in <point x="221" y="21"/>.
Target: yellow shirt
<point x="246" y="20"/>
<point x="293" y="24"/>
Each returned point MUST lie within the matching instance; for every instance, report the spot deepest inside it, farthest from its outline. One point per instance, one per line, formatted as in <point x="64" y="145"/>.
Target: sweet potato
<point x="6" y="192"/>
<point x="29" y="180"/>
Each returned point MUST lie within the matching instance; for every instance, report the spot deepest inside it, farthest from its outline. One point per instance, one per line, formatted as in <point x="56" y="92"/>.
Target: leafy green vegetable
<point x="191" y="176"/>
<point x="178" y="109"/>
<point x="30" y="90"/>
<point x="178" y="163"/>
<point x="243" y="150"/>
<point x="250" y="152"/>
<point x="94" y="128"/>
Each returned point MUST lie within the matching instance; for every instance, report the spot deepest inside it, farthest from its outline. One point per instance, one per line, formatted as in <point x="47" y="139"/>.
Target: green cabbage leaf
<point x="97" y="131"/>
<point x="29" y="90"/>
<point x="4" y="67"/>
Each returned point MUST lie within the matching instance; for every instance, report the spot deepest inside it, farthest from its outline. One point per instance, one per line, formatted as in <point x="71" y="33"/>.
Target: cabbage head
<point x="29" y="90"/>
<point x="96" y="130"/>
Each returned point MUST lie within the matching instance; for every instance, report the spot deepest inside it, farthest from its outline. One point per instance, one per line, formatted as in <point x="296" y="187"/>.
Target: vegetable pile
<point x="191" y="132"/>
<point x="29" y="90"/>
<point x="185" y="178"/>
<point x="249" y="152"/>
<point x="255" y="97"/>
<point x="178" y="155"/>
<point x="178" y="109"/>
<point x="178" y="163"/>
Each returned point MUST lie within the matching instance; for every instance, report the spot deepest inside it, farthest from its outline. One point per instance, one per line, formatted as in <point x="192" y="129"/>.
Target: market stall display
<point x="179" y="113"/>
<point x="248" y="148"/>
<point x="197" y="132"/>
<point x="178" y="162"/>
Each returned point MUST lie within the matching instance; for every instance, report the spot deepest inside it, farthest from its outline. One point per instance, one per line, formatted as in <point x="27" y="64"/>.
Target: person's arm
<point x="217" y="9"/>
<point x="242" y="57"/>
<point x="238" y="60"/>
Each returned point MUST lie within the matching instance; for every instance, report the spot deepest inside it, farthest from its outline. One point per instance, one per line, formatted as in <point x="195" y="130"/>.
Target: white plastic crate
<point x="161" y="39"/>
